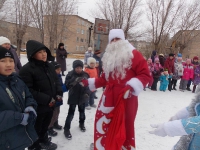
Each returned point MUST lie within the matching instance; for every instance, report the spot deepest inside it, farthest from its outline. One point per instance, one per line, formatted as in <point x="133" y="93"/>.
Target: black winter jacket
<point x="43" y="83"/>
<point x="76" y="93"/>
<point x="15" y="97"/>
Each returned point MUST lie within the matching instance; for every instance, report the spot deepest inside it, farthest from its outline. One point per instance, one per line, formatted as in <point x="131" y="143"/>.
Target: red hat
<point x="196" y="58"/>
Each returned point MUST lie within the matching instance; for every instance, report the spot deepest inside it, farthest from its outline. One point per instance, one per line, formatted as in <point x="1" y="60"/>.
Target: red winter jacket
<point x="188" y="72"/>
<point x="169" y="65"/>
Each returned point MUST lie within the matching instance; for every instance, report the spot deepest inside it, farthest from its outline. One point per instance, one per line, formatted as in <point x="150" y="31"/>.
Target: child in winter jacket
<point x="196" y="77"/>
<point x="164" y="80"/>
<point x="17" y="107"/>
<point x="54" y="121"/>
<point x="77" y="95"/>
<point x="43" y="83"/>
<point x="91" y="70"/>
<point x="151" y="69"/>
<point x="178" y="71"/>
<point x="184" y="123"/>
<point x="187" y="74"/>
<point x="156" y="74"/>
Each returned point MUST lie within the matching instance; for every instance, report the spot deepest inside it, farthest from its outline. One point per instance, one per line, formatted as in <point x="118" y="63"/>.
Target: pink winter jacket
<point x="188" y="71"/>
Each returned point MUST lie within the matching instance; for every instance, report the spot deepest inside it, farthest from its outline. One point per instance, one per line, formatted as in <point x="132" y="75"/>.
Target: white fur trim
<point x="91" y="82"/>
<point x="116" y="33"/>
<point x="174" y="128"/>
<point x="137" y="86"/>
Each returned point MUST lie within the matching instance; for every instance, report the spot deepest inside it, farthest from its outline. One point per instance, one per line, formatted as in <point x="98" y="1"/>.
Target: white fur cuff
<point x="137" y="86"/>
<point x="174" y="128"/>
<point x="91" y="82"/>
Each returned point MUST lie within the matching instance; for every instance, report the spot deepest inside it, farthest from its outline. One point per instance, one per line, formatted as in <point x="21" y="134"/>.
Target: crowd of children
<point x="171" y="70"/>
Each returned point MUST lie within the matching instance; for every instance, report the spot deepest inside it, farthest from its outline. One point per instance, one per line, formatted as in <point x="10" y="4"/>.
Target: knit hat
<point x="171" y="54"/>
<point x="4" y="40"/>
<point x="77" y="63"/>
<point x="56" y="65"/>
<point x="150" y="59"/>
<point x="33" y="47"/>
<point x="196" y="58"/>
<point x="188" y="60"/>
<point x="116" y="33"/>
<point x="179" y="55"/>
<point x="5" y="53"/>
<point x="91" y="60"/>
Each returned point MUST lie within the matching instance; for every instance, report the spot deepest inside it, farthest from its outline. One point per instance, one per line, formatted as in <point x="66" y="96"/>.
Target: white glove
<point x="182" y="114"/>
<point x="30" y="108"/>
<point x="159" y="131"/>
<point x="171" y="128"/>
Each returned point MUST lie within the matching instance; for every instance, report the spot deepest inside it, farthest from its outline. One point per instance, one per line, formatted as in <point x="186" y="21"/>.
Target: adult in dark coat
<point x="5" y="42"/>
<point x="43" y="83"/>
<point x="97" y="56"/>
<point x="16" y="107"/>
<point x="61" y="55"/>
<point x="161" y="59"/>
<point x="169" y="65"/>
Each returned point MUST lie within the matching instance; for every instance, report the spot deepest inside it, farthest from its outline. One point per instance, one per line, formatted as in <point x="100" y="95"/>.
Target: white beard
<point x="117" y="58"/>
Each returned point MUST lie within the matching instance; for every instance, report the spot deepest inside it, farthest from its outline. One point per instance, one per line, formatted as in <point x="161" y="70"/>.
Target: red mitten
<point x="59" y="98"/>
<point x="84" y="82"/>
<point x="127" y="90"/>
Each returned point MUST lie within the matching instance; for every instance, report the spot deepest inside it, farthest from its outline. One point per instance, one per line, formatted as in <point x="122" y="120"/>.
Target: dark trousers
<point x="90" y="101"/>
<point x="70" y="116"/>
<point x="154" y="85"/>
<point x="189" y="83"/>
<point x="170" y="84"/>
<point x="174" y="81"/>
<point x="55" y="115"/>
<point x="41" y="126"/>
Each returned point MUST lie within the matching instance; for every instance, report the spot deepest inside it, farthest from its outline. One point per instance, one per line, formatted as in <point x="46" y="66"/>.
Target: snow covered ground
<point x="154" y="107"/>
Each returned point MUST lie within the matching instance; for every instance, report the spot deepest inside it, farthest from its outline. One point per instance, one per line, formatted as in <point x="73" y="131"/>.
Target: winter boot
<point x="57" y="126"/>
<point x="174" y="88"/>
<point x="194" y="88"/>
<point x="48" y="145"/>
<point x="67" y="134"/>
<point x="82" y="127"/>
<point x="51" y="132"/>
<point x="35" y="146"/>
<point x="188" y="88"/>
<point x="94" y="106"/>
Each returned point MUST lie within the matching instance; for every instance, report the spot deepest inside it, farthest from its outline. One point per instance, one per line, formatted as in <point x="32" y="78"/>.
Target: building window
<point x="77" y="48"/>
<point x="78" y="30"/>
<point x="66" y="47"/>
<point x="83" y="23"/>
<point x="82" y="31"/>
<point x="77" y="39"/>
<point x="79" y="21"/>
<point x="82" y="40"/>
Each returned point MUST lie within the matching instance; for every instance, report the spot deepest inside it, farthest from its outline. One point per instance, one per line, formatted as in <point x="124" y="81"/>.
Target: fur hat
<point x="161" y="55"/>
<point x="60" y="44"/>
<point x="91" y="60"/>
<point x="171" y="54"/>
<point x="5" y="53"/>
<point x="56" y="64"/>
<point x="4" y="40"/>
<point x="77" y="63"/>
<point x="116" y="33"/>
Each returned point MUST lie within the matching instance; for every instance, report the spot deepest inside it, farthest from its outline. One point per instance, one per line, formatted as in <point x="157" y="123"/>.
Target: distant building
<point x="72" y="30"/>
<point x="187" y="42"/>
<point x="8" y="30"/>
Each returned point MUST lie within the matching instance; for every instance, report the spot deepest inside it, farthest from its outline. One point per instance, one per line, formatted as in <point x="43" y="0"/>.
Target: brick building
<point x="72" y="30"/>
<point x="8" y="30"/>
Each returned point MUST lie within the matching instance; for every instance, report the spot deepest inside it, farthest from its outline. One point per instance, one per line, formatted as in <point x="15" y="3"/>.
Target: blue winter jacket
<point x="15" y="97"/>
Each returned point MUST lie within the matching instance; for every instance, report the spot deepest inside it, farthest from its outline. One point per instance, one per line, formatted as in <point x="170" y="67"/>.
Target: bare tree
<point x="188" y="26"/>
<point x="46" y="14"/>
<point x="122" y="14"/>
<point x="22" y="20"/>
<point x="163" y="16"/>
<point x="2" y="3"/>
